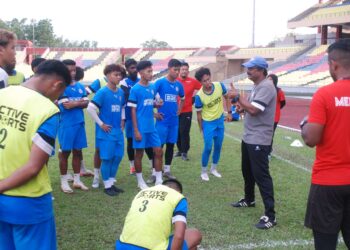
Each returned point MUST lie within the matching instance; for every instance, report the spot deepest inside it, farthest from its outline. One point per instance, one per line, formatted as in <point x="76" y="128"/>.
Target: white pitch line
<point x="276" y="156"/>
<point x="290" y="128"/>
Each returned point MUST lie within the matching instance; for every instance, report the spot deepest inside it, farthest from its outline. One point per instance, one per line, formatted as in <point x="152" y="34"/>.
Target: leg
<point x="218" y="140"/>
<point x="258" y="155"/>
<point x="179" y="134"/>
<point x="169" y="152"/>
<point x="97" y="166"/>
<point x="150" y="155"/>
<point x="158" y="163"/>
<point x="6" y="236"/>
<point x="345" y="228"/>
<point x="274" y="129"/>
<point x="325" y="241"/>
<point x="185" y="139"/>
<point x="77" y="156"/>
<point x="30" y="237"/>
<point x="130" y="150"/>
<point x="63" y="163"/>
<point x="193" y="238"/>
<point x="249" y="181"/>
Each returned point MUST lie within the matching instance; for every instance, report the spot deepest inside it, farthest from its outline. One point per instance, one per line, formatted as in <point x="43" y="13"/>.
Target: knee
<point x="158" y="152"/>
<point x="193" y="237"/>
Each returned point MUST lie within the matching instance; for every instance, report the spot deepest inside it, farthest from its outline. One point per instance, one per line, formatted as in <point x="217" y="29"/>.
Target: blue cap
<point x="257" y="61"/>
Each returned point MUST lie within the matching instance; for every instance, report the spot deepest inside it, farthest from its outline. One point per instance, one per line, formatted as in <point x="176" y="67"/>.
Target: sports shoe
<point x="80" y="185"/>
<point x="184" y="157"/>
<point x="132" y="171"/>
<point x="96" y="182"/>
<point x="86" y="173"/>
<point x="205" y="176"/>
<point x="69" y="177"/>
<point x="265" y="223"/>
<point x="151" y="179"/>
<point x="215" y="173"/>
<point x="142" y="185"/>
<point x="243" y="203"/>
<point x="110" y="191"/>
<point x="177" y="154"/>
<point x="116" y="189"/>
<point x="169" y="175"/>
<point x="65" y="187"/>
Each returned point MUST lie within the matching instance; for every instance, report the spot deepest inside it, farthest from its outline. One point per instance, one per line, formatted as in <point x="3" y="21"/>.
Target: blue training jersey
<point x="110" y="104"/>
<point x="70" y="117"/>
<point x="169" y="92"/>
<point x="95" y="85"/>
<point x="142" y="98"/>
<point x="126" y="84"/>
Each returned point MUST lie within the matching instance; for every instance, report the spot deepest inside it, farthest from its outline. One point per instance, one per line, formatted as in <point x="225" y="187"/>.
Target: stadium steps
<point x="98" y="60"/>
<point x="59" y="55"/>
<point x="314" y="81"/>
<point x="148" y="55"/>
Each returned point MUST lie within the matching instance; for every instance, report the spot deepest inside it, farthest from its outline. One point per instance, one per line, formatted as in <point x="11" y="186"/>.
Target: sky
<point x="181" y="23"/>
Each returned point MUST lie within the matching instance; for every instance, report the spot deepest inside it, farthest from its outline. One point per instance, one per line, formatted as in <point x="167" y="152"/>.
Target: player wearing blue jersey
<point x="28" y="128"/>
<point x="210" y="116"/>
<point x="71" y="133"/>
<point x="169" y="90"/>
<point x="126" y="84"/>
<point x="141" y="101"/>
<point x="107" y="109"/>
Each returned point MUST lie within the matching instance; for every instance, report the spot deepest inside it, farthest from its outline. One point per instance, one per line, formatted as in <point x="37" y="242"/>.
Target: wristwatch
<point x="302" y="123"/>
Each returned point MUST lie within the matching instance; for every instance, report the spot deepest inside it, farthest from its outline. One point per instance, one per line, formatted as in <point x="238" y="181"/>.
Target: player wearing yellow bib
<point x="149" y="221"/>
<point x="28" y="128"/>
<point x="210" y="116"/>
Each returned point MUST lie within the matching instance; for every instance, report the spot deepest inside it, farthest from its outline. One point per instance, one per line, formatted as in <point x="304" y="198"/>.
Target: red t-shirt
<point x="280" y="98"/>
<point x="190" y="85"/>
<point x="330" y="107"/>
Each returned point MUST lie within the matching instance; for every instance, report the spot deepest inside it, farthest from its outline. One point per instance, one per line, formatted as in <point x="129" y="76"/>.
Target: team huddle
<point x="153" y="117"/>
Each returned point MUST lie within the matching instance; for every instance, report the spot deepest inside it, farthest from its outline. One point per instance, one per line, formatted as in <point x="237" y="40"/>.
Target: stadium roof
<point x="334" y="12"/>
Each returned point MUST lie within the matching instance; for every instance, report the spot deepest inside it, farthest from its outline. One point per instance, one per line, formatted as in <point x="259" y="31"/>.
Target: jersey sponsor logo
<point x="115" y="108"/>
<point x="152" y="194"/>
<point x="214" y="102"/>
<point x="148" y="102"/>
<point x="344" y="101"/>
<point x="13" y="118"/>
<point x="170" y="98"/>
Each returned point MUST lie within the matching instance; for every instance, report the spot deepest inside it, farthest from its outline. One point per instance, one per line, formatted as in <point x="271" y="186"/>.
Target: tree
<point x="153" y="43"/>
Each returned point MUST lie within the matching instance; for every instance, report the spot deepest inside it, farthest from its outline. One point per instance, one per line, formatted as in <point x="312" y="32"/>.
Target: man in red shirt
<point x="327" y="128"/>
<point x="185" y="118"/>
<point x="280" y="103"/>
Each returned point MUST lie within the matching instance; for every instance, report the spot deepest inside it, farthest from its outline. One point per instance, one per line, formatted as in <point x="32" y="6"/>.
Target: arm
<point x="122" y="125"/>
<point x="83" y="103"/>
<point x="199" y="120"/>
<point x="137" y="134"/>
<point x="179" y="235"/>
<point x="312" y="134"/>
<point x="182" y="101"/>
<point x="228" y="108"/>
<point x="93" y="112"/>
<point x="248" y="107"/>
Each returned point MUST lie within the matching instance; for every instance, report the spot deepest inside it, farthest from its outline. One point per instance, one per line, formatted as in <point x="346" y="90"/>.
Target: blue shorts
<point x="128" y="128"/>
<point x="149" y="140"/>
<point x="124" y="246"/>
<point x="110" y="149"/>
<point x="72" y="137"/>
<point x="213" y="129"/>
<point x="167" y="133"/>
<point x="41" y="236"/>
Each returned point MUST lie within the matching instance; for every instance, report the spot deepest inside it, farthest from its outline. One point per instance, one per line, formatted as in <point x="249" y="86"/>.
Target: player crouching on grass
<point x="107" y="109"/>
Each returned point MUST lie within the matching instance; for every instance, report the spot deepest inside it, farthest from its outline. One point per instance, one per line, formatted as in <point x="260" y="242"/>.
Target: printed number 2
<point x="144" y="206"/>
<point x="3" y="135"/>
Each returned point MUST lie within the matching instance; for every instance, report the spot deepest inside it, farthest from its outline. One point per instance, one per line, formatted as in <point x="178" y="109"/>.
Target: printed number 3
<point x="3" y="135"/>
<point x="144" y="206"/>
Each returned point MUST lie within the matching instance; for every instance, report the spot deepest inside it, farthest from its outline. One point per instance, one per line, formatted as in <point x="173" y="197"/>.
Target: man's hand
<point x="69" y="104"/>
<point x="228" y="118"/>
<point x="233" y="92"/>
<point x="158" y="103"/>
<point x="158" y="116"/>
<point x="138" y="136"/>
<point x="106" y="128"/>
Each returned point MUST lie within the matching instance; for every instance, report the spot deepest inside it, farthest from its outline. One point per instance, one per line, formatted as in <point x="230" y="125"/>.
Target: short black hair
<point x="80" y="74"/>
<point x="173" y="181"/>
<point x="114" y="67"/>
<point x="185" y="64"/>
<point x="340" y="52"/>
<point x="174" y="63"/>
<point x="274" y="79"/>
<point x="69" y="62"/>
<point x="143" y="65"/>
<point x="36" y="62"/>
<point x="201" y="72"/>
<point x="130" y="62"/>
<point x="54" y="67"/>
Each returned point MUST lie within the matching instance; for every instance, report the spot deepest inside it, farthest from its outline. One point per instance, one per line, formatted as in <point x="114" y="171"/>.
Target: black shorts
<point x="328" y="208"/>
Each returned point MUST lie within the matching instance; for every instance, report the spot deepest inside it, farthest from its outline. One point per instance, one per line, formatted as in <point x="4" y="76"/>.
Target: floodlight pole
<point x="253" y="35"/>
<point x="33" y="23"/>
